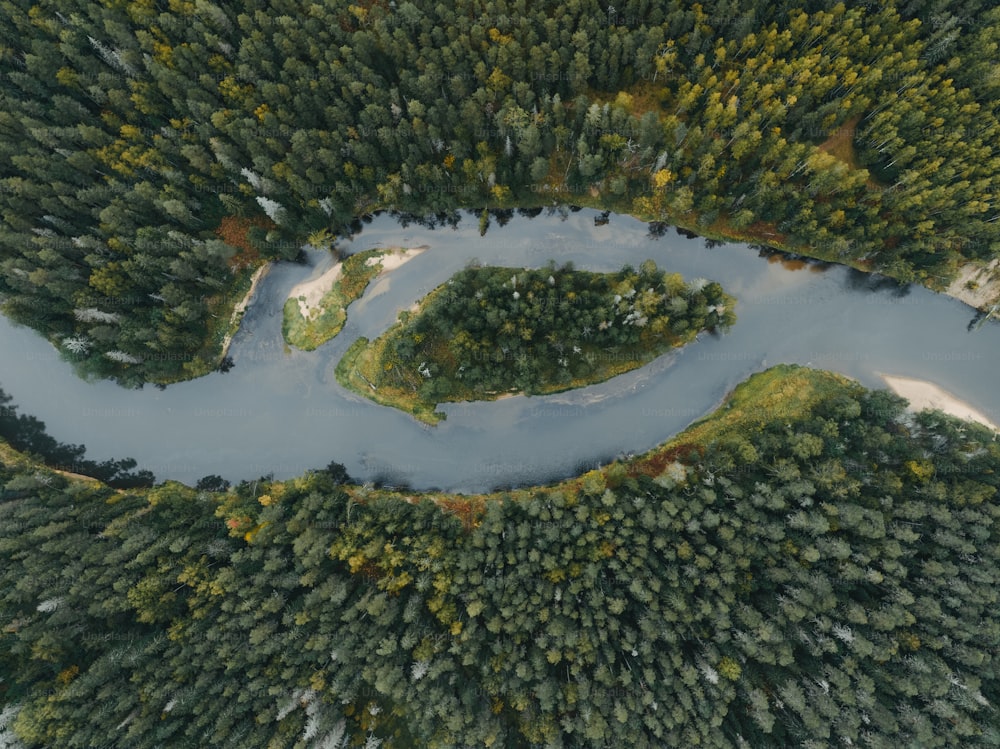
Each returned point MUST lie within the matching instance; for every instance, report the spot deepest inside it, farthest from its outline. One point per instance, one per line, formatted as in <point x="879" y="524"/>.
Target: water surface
<point x="281" y="411"/>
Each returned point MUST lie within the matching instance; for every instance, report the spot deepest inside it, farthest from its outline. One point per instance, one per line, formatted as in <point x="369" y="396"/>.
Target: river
<point x="281" y="411"/>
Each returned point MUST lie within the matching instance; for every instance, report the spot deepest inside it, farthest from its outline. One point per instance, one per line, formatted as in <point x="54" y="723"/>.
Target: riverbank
<point x="782" y="393"/>
<point x="974" y="283"/>
<point x="240" y="307"/>
<point x="977" y="285"/>
<point x="223" y="324"/>
<point x="316" y="310"/>
<point x="12" y="457"/>
<point x="926" y="395"/>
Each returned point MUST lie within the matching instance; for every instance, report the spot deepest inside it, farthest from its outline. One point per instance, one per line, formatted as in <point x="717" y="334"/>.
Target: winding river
<point x="281" y="411"/>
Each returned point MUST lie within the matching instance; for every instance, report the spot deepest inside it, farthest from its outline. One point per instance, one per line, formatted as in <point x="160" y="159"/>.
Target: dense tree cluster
<point x="828" y="578"/>
<point x="491" y="330"/>
<point x="823" y="578"/>
<point x="148" y="149"/>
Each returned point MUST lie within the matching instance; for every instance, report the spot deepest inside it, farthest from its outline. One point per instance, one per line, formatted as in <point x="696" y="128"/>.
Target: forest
<point x="491" y="331"/>
<point x="153" y="153"/>
<point x="808" y="566"/>
<point x="811" y="565"/>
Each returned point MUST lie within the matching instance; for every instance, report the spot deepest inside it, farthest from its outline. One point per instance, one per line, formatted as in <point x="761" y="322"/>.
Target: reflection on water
<point x="876" y="282"/>
<point x="281" y="411"/>
<point x="793" y="262"/>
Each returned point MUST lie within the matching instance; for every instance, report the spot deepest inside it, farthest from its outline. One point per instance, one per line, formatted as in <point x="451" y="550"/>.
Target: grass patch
<point x="11" y="457"/>
<point x="308" y="333"/>
<point x="357" y="371"/>
<point x="641" y="97"/>
<point x="221" y="309"/>
<point x="841" y="143"/>
<point x="781" y="393"/>
<point x="785" y="392"/>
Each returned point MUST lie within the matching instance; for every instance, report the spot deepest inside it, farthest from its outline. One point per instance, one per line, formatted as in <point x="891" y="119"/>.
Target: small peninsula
<point x="316" y="310"/>
<point x="490" y="332"/>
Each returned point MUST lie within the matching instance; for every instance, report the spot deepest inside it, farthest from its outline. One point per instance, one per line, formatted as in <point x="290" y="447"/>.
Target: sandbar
<point x="395" y="257"/>
<point x="922" y="394"/>
<point x="310" y="293"/>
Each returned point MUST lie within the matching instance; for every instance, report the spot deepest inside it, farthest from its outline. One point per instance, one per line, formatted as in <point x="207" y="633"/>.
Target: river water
<point x="281" y="411"/>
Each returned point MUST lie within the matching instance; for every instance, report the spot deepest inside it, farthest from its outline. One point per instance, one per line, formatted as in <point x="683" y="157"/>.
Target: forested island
<point x="491" y="331"/>
<point x="154" y="154"/>
<point x="808" y="566"/>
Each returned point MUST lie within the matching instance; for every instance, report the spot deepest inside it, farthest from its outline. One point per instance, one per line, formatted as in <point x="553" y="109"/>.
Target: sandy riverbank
<point x="986" y="283"/>
<point x="241" y="306"/>
<point x="922" y="394"/>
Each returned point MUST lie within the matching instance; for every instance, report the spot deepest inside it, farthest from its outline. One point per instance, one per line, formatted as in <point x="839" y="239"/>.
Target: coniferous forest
<point x="810" y="566"/>
<point x="152" y="153"/>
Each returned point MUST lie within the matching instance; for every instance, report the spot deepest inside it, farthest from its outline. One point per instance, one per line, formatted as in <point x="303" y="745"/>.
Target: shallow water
<point x="281" y="411"/>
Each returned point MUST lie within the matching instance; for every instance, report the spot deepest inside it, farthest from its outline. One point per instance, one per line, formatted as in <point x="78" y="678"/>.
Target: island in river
<point x="491" y="332"/>
<point x="316" y="310"/>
